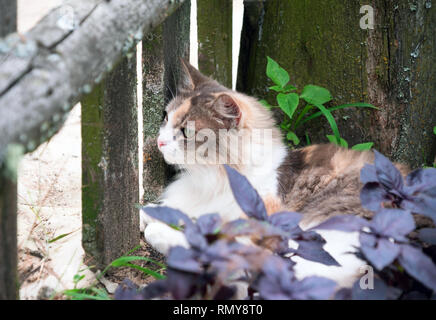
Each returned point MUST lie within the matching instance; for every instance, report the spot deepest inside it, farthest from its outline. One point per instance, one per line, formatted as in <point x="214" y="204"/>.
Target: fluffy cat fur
<point x="318" y="181"/>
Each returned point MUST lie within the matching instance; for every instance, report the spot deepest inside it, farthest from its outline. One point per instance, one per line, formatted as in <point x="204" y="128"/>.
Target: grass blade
<point x="150" y="272"/>
<point x="60" y="237"/>
<point x="123" y="260"/>
<point x="331" y="121"/>
<point x="344" y="106"/>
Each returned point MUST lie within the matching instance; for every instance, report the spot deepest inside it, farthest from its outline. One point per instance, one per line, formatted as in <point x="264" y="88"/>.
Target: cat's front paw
<point x="162" y="237"/>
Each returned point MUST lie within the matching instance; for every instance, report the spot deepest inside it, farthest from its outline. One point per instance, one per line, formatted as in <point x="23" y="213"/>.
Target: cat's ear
<point x="228" y="109"/>
<point x="191" y="77"/>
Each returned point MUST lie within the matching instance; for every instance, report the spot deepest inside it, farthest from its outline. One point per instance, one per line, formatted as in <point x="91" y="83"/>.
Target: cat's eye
<point x="188" y="133"/>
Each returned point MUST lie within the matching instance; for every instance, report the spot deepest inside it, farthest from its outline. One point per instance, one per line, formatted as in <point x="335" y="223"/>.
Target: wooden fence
<point x="91" y="58"/>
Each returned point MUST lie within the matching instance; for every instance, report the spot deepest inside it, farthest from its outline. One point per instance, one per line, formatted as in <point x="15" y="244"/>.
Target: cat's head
<point x="207" y="123"/>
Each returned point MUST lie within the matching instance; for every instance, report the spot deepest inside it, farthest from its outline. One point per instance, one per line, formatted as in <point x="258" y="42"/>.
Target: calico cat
<point x="319" y="181"/>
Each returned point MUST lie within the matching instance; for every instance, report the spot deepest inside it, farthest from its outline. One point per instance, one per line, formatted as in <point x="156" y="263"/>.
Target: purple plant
<point x="383" y="240"/>
<point x="384" y="187"/>
<point x="209" y="268"/>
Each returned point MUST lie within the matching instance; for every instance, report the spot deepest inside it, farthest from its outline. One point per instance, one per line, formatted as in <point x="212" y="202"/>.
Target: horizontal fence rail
<point x="46" y="71"/>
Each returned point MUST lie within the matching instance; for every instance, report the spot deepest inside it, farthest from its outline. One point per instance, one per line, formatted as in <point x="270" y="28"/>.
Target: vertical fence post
<point x="214" y="20"/>
<point x="110" y="189"/>
<point x="162" y="50"/>
<point x="8" y="188"/>
<point x="155" y="171"/>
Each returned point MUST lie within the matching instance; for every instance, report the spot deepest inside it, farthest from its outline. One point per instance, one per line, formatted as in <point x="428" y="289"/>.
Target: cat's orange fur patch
<point x="272" y="204"/>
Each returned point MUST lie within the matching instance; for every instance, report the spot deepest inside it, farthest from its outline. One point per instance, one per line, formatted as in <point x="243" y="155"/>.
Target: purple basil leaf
<point x="183" y="285"/>
<point x="382" y="254"/>
<point x="258" y="228"/>
<point x="367" y="239"/>
<point x="287" y="221"/>
<point x="379" y="292"/>
<point x="180" y="258"/>
<point x="309" y="236"/>
<point x="279" y="268"/>
<point x="195" y="238"/>
<point x="343" y="294"/>
<point x="388" y="175"/>
<point x="373" y="195"/>
<point x="313" y="288"/>
<point x="209" y="223"/>
<point x="155" y="289"/>
<point x="276" y="280"/>
<point x="168" y="215"/>
<point x="427" y="235"/>
<point x="127" y="290"/>
<point x="246" y="196"/>
<point x="269" y="289"/>
<point x="368" y="174"/>
<point x="421" y="204"/>
<point x="395" y="223"/>
<point x="347" y="223"/>
<point x="418" y="265"/>
<point x="314" y="251"/>
<point x="422" y="180"/>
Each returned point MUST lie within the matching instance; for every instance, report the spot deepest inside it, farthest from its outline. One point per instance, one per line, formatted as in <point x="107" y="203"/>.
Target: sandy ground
<point x="49" y="199"/>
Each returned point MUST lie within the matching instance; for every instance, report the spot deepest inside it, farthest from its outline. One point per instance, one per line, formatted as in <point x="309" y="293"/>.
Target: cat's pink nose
<point x="160" y="143"/>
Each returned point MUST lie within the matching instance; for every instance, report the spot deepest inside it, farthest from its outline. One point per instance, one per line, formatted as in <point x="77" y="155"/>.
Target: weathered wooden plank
<point x="162" y="50"/>
<point x="33" y="102"/>
<point x="8" y="187"/>
<point x="8" y="17"/>
<point x="321" y="42"/>
<point x="110" y="165"/>
<point x="153" y="105"/>
<point x="214" y="20"/>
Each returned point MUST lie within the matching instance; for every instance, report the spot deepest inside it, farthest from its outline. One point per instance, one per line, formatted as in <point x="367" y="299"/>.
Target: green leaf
<point x="344" y="106"/>
<point x="316" y="95"/>
<point x="277" y="89"/>
<point x="77" y="278"/>
<point x="289" y="88"/>
<point x="293" y="137"/>
<point x="342" y="143"/>
<point x="434" y="130"/>
<point x="288" y="103"/>
<point x="267" y="105"/>
<point x="363" y="146"/>
<point x="276" y="73"/>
